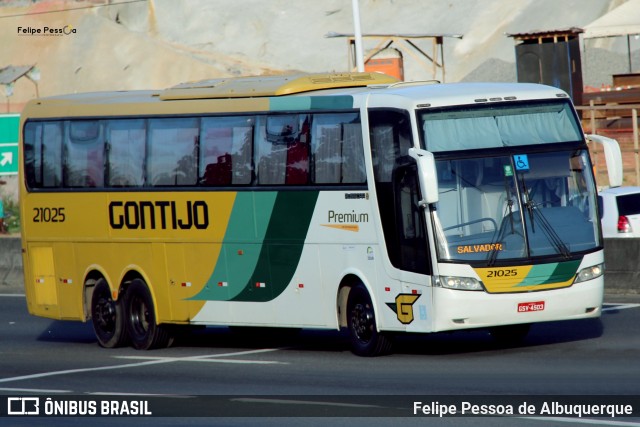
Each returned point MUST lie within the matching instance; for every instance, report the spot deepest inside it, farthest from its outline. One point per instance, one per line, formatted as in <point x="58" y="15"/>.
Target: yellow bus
<point x="310" y="201"/>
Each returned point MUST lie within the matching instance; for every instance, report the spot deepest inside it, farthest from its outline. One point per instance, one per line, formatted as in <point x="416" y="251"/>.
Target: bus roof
<point x="260" y="93"/>
<point x="245" y="87"/>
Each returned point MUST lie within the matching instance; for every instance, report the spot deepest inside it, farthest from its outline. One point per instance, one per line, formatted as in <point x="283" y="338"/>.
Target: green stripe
<point x="545" y="274"/>
<point x="293" y="103"/>
<point x="563" y="272"/>
<point x="289" y="103"/>
<point x="241" y="247"/>
<point x="283" y="246"/>
<point x="332" y="102"/>
<point x="262" y="244"/>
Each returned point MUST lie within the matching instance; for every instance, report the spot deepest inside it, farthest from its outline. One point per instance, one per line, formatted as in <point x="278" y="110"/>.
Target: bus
<point x="322" y="201"/>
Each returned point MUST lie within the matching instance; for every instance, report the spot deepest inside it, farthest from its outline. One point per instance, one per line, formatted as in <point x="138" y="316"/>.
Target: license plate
<point x="525" y="307"/>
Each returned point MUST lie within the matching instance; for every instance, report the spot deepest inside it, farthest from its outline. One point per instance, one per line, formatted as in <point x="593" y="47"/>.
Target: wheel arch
<point x="96" y="272"/>
<point x="349" y="280"/>
<point x="91" y="277"/>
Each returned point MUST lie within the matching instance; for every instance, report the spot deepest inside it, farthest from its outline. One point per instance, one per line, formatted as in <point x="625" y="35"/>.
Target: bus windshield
<point x="511" y="207"/>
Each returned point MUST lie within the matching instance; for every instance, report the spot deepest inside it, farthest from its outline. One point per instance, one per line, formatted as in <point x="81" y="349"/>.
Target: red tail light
<point x="623" y="224"/>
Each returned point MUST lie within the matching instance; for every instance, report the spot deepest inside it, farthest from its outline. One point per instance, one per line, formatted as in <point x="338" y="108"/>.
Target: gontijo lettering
<point x="159" y="214"/>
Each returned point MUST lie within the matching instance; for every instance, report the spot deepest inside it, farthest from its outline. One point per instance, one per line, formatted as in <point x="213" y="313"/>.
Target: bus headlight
<point x="460" y="283"/>
<point x="589" y="273"/>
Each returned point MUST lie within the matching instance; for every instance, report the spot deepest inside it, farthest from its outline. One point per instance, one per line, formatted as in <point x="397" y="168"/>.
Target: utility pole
<point x="358" y="36"/>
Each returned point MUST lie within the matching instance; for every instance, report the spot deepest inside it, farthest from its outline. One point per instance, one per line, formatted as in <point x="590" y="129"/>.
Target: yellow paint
<point x="510" y="279"/>
<point x="404" y="307"/>
<point x="84" y="242"/>
<point x="345" y="227"/>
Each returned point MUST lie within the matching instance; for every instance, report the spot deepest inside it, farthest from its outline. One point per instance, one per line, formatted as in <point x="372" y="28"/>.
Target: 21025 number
<point x="502" y="273"/>
<point x="48" y="215"/>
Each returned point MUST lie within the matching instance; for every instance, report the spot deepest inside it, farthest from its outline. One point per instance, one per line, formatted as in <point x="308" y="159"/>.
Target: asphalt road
<point x="262" y="374"/>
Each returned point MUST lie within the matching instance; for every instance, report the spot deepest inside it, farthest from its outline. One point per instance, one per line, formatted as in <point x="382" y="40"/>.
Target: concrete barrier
<point x="621" y="258"/>
<point x="11" y="277"/>
<point x="622" y="272"/>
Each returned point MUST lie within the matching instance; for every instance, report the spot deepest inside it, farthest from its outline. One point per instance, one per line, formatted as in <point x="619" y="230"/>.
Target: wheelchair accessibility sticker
<point x="521" y="161"/>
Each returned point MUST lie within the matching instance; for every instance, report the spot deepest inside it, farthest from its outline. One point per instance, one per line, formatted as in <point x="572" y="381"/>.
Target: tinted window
<point x="172" y="152"/>
<point x="226" y="150"/>
<point x="84" y="154"/>
<point x="126" y="139"/>
<point x="43" y="154"/>
<point x="275" y="149"/>
<point x="629" y="204"/>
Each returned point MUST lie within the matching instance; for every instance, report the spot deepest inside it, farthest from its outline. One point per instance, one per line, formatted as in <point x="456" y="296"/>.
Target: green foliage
<point x="11" y="215"/>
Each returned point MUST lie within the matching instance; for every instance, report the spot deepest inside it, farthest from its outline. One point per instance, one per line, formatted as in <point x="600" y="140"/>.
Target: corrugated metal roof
<point x="547" y="33"/>
<point x="12" y="73"/>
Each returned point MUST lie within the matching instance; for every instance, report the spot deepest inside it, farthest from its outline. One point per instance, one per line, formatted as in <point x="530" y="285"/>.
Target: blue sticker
<point x="521" y="161"/>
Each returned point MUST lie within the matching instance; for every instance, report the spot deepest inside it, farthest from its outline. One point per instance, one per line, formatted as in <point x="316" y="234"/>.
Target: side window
<point x="226" y="151"/>
<point x="601" y="206"/>
<point x="84" y="154"/>
<point x="283" y="149"/>
<point x="338" y="155"/>
<point x="126" y="141"/>
<point x="33" y="154"/>
<point x="172" y="152"/>
<point x="43" y="154"/>
<point x="412" y="238"/>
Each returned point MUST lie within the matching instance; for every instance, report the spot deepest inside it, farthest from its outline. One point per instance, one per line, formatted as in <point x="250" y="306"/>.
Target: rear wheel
<point x="145" y="333"/>
<point x="361" y="321"/>
<point x="108" y="317"/>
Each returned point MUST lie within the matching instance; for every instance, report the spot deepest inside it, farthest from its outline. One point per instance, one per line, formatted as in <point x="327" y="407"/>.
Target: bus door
<point x="403" y="222"/>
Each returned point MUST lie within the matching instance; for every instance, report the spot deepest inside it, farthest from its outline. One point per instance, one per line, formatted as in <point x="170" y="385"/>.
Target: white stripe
<point x="33" y="390"/>
<point x="213" y="360"/>
<point x="302" y="402"/>
<point x="616" y="307"/>
<point x="103" y="393"/>
<point x="599" y="422"/>
<point x="132" y="365"/>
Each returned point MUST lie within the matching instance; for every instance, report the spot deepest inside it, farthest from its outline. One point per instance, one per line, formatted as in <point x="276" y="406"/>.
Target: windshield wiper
<point x="547" y="228"/>
<point x="493" y="253"/>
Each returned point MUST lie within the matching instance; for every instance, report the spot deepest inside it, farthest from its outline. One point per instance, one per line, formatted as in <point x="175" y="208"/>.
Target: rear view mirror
<point x="612" y="156"/>
<point x="426" y="175"/>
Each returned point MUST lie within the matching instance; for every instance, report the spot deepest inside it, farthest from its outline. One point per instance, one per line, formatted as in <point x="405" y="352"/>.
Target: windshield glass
<point x="515" y="207"/>
<point x="499" y="125"/>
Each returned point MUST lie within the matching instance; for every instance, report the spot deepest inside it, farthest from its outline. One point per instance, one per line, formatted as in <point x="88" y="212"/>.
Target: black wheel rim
<point x="139" y="317"/>
<point x="362" y="322"/>
<point x="105" y="315"/>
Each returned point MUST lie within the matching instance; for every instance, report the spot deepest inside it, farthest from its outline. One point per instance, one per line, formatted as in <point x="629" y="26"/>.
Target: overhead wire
<point x="72" y="9"/>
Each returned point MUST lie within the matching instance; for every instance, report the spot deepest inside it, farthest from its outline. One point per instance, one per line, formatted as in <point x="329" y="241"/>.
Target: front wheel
<point x="145" y="333"/>
<point x="361" y="321"/>
<point x="108" y="317"/>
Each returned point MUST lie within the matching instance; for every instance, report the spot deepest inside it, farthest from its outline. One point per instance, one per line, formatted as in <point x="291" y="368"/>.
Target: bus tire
<point x="361" y="322"/>
<point x="144" y="332"/>
<point x="108" y="317"/>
